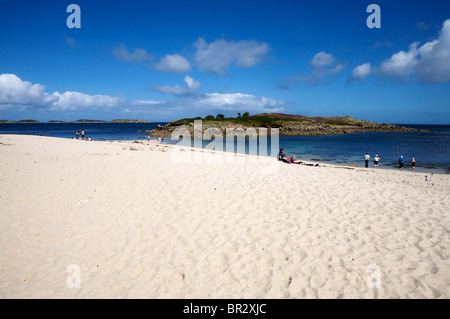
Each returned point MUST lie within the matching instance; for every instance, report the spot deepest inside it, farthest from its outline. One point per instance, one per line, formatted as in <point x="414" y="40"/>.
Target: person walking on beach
<point x="376" y="160"/>
<point x="413" y="164"/>
<point x="401" y="163"/>
<point x="366" y="159"/>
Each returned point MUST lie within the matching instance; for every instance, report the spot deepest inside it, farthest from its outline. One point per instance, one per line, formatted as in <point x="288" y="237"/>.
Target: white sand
<point x="139" y="225"/>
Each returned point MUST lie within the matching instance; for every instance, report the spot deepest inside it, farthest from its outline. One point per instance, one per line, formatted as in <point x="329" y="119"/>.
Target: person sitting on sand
<point x="293" y="161"/>
<point x="284" y="159"/>
<point x="280" y="154"/>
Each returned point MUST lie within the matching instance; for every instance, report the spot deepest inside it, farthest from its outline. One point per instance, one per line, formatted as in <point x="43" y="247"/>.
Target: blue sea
<point x="431" y="149"/>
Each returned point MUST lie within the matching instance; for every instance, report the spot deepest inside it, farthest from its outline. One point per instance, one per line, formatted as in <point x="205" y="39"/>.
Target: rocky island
<point x="288" y="124"/>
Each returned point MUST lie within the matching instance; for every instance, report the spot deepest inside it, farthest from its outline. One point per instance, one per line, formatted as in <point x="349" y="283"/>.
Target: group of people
<point x="81" y="133"/>
<point x="161" y="140"/>
<point x="282" y="157"/>
<point x="401" y="162"/>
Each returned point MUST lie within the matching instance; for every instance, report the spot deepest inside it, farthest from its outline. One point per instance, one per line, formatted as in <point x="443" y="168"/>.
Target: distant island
<point x="288" y="124"/>
<point x="78" y="121"/>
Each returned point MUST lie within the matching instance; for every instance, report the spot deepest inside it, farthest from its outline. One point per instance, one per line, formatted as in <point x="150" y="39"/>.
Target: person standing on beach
<point x="401" y="163"/>
<point x="82" y="134"/>
<point x="376" y="160"/>
<point x="413" y="164"/>
<point x="367" y="158"/>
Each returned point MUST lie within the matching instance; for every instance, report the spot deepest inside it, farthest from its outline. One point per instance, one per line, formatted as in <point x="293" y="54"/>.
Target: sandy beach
<point x="125" y="220"/>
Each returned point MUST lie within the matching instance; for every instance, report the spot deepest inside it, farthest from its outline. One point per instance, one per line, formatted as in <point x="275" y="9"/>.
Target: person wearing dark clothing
<point x="280" y="155"/>
<point x="401" y="163"/>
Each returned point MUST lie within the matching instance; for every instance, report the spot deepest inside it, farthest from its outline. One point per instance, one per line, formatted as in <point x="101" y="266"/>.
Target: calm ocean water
<point x="430" y="149"/>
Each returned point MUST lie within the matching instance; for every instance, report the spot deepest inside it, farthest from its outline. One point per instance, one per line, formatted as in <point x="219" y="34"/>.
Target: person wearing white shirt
<point x="367" y="158"/>
<point x="376" y="160"/>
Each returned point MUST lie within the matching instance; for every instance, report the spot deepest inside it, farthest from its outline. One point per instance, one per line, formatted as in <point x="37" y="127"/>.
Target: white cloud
<point x="15" y="92"/>
<point x="173" y="63"/>
<point x="434" y="63"/>
<point x="169" y="63"/>
<point x="218" y="101"/>
<point x="146" y="102"/>
<point x="139" y="55"/>
<point x="324" y="68"/>
<point x="429" y="63"/>
<point x="191" y="87"/>
<point x="361" y="72"/>
<point x="217" y="57"/>
<point x="19" y="94"/>
<point x="238" y="102"/>
<point x="401" y="64"/>
<point x="322" y="59"/>
<point x="22" y="95"/>
<point x="75" y="101"/>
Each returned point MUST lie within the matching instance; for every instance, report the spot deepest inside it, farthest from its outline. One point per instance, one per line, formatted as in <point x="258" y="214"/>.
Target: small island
<point x="288" y="124"/>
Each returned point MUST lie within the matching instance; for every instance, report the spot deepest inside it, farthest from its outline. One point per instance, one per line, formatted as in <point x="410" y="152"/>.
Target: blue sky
<point x="165" y="60"/>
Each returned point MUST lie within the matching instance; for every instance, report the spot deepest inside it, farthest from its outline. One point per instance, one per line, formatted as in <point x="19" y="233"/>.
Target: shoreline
<point x="325" y="161"/>
<point x="351" y="164"/>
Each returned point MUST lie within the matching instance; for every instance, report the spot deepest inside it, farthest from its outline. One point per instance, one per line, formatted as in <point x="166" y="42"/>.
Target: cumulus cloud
<point x="238" y="102"/>
<point x="401" y="64"/>
<point x="173" y="63"/>
<point x="190" y="100"/>
<point x="121" y="53"/>
<point x="322" y="59"/>
<point x="169" y="63"/>
<point x="324" y="68"/>
<point x="75" y="101"/>
<point x="191" y="87"/>
<point x="429" y="62"/>
<point x="217" y="57"/>
<point x="361" y="72"/>
<point x="219" y="101"/>
<point x="15" y="92"/>
<point x="434" y="63"/>
<point x="19" y="94"/>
